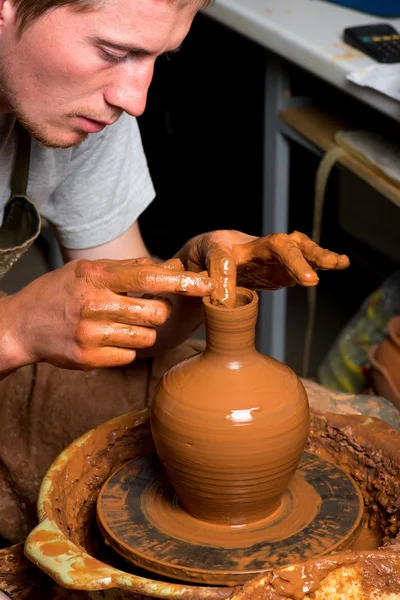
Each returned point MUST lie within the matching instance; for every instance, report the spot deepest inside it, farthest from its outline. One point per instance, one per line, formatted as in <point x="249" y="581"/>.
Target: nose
<point x="129" y="86"/>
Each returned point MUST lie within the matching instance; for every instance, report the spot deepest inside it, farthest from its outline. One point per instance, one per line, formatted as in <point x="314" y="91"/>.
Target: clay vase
<point x="230" y="424"/>
<point x="385" y="364"/>
<point x="388" y="351"/>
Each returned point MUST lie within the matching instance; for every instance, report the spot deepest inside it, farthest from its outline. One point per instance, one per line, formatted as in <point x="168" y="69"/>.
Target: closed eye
<point x="114" y="58"/>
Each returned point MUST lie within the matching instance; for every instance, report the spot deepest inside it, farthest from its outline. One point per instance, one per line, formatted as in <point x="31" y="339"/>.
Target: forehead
<point x="149" y="22"/>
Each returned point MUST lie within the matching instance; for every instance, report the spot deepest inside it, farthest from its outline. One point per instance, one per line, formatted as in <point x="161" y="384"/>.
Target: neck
<point x="231" y="331"/>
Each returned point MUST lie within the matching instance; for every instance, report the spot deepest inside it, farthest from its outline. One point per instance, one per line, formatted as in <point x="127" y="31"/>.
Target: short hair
<point x="27" y="11"/>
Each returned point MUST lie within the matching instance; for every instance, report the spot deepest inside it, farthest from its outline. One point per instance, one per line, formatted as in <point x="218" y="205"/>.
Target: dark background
<point x="202" y="135"/>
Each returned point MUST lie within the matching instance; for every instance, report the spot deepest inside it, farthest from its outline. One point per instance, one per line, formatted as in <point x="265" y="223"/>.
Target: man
<point x="74" y="73"/>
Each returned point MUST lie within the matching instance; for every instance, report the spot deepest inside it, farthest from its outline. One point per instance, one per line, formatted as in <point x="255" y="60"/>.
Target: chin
<point x="54" y="137"/>
<point x="60" y="140"/>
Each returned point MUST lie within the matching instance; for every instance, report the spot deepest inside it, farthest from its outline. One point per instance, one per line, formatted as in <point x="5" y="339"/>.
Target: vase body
<point x="388" y="351"/>
<point x="230" y="424"/>
<point x="384" y="358"/>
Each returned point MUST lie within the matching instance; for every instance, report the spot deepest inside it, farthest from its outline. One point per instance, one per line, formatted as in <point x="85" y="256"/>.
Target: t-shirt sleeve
<point x="107" y="187"/>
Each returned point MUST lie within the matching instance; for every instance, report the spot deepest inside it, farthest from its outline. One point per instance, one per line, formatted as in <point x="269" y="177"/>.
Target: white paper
<point x="382" y="78"/>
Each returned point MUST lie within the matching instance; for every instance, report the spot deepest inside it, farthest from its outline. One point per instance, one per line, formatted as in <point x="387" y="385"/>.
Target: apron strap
<point x="21" y="221"/>
<point x="20" y="174"/>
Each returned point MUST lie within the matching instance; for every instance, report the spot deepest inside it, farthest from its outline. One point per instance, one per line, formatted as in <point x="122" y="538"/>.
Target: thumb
<point x="5" y="596"/>
<point x="222" y="269"/>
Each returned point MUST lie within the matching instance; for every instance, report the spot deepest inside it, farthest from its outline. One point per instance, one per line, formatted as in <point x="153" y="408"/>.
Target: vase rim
<point x="240" y="291"/>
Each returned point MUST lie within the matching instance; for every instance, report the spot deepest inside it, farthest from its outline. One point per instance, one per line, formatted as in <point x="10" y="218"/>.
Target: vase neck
<point x="231" y="331"/>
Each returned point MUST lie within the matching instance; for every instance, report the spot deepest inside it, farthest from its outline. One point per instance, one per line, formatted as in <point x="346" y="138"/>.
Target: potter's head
<point x="64" y="62"/>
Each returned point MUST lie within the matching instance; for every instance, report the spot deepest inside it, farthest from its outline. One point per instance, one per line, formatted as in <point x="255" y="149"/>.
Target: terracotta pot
<point x="230" y="424"/>
<point x="387" y="352"/>
<point x="381" y="378"/>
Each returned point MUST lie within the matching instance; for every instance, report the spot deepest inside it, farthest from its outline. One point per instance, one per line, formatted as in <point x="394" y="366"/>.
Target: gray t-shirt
<point x="91" y="193"/>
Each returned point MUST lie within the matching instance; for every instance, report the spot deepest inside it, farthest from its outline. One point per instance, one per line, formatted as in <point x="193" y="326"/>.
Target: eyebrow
<point x="128" y="47"/>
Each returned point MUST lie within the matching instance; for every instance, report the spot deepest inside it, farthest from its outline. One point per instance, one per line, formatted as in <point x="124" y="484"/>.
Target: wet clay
<point x="369" y="450"/>
<point x="299" y="506"/>
<point x="230" y="424"/>
<point x="266" y="263"/>
<point x="140" y="517"/>
<point x="357" y="449"/>
<point x="365" y="446"/>
<point x="367" y="539"/>
<point x="223" y="276"/>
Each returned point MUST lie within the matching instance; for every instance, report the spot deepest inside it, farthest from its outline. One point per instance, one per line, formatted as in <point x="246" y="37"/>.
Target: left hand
<point x="268" y="263"/>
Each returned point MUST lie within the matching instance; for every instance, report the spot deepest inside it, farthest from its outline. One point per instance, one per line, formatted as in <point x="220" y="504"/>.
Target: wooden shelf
<point x="319" y="127"/>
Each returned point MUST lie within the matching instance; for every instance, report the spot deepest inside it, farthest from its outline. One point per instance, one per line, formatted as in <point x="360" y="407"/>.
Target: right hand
<point x="78" y="317"/>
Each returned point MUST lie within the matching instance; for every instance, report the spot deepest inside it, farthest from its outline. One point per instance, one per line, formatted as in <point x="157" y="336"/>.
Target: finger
<point x="125" y="336"/>
<point x="255" y="279"/>
<point x="130" y="311"/>
<point x="291" y="257"/>
<point x="144" y="279"/>
<point x="107" y="357"/>
<point x="173" y="263"/>
<point x="143" y="260"/>
<point x="222" y="269"/>
<point x="90" y="336"/>
<point x="320" y="257"/>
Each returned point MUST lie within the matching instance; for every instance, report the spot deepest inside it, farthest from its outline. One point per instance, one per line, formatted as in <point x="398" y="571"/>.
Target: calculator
<point x="380" y="41"/>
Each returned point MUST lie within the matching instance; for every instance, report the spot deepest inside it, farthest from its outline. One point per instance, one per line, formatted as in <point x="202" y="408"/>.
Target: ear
<point x="7" y="13"/>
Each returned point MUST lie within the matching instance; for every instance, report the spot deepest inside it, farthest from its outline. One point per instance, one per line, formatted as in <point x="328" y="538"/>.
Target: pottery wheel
<point x="140" y="518"/>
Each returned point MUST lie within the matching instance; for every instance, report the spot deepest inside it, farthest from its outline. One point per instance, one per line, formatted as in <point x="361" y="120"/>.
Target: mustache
<point x="95" y="115"/>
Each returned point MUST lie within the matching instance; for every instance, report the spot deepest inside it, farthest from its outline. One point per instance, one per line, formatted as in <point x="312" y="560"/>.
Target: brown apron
<point x="21" y="223"/>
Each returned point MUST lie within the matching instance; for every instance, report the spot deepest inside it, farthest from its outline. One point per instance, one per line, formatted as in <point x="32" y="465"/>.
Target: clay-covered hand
<point x="80" y="317"/>
<point x="267" y="263"/>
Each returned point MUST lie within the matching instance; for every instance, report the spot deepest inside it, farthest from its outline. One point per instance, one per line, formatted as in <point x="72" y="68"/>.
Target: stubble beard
<point x="8" y="96"/>
<point x="40" y="135"/>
